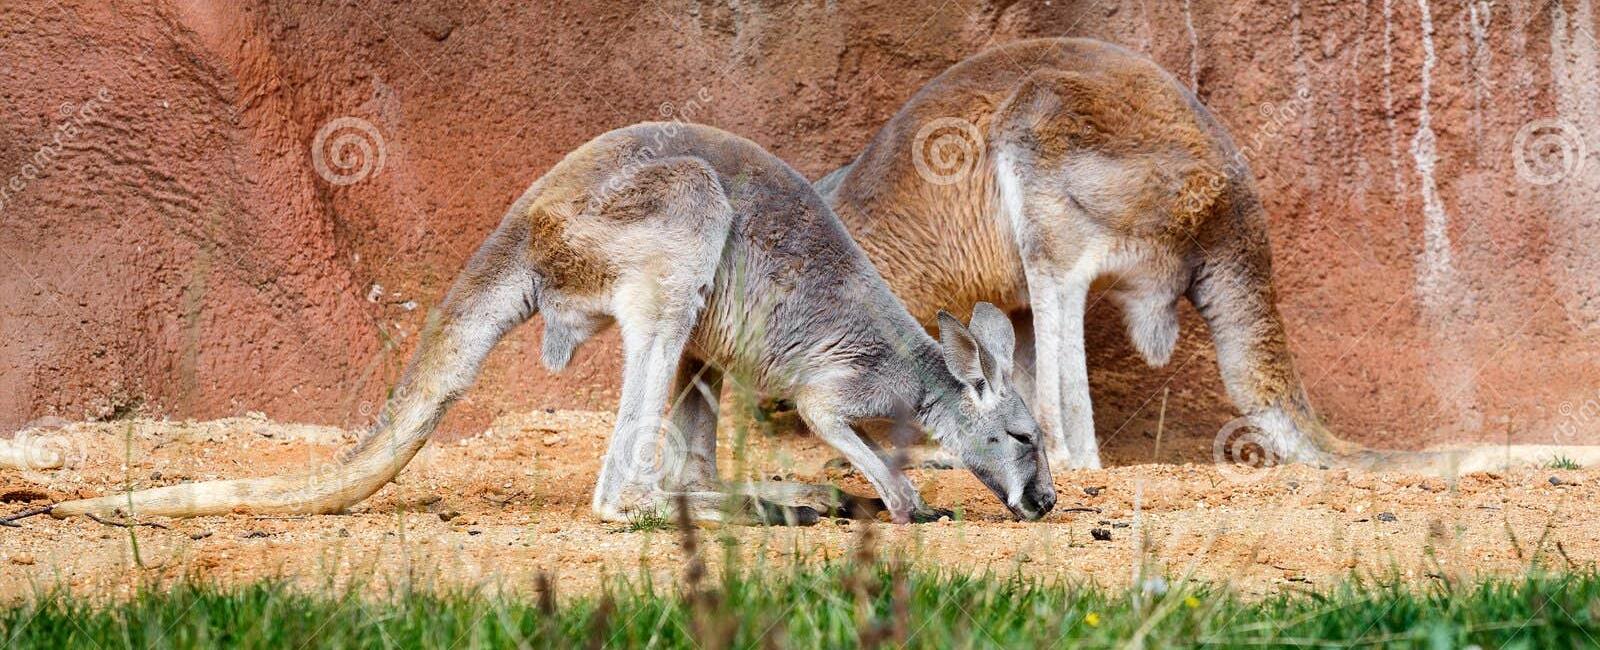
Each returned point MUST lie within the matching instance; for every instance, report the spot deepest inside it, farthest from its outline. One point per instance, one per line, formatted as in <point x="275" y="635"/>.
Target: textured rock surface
<point x="179" y="252"/>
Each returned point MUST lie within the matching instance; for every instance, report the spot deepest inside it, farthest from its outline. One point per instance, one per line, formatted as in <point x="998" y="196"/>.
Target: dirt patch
<point x="496" y="509"/>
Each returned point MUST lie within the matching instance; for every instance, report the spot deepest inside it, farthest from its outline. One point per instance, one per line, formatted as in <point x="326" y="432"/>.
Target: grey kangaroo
<point x="711" y="256"/>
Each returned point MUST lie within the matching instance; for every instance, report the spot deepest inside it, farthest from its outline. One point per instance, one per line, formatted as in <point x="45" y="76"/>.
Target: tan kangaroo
<point x="711" y="256"/>
<point x="1088" y="165"/>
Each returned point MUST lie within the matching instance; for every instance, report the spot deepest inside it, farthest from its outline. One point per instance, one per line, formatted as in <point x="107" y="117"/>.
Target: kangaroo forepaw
<point x="929" y="514"/>
<point x="823" y="499"/>
<point x="776" y="514"/>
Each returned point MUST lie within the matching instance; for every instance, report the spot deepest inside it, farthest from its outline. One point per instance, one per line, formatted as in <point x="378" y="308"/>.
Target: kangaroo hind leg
<point x="1232" y="291"/>
<point x="696" y="392"/>
<point x="651" y="461"/>
<point x="670" y="220"/>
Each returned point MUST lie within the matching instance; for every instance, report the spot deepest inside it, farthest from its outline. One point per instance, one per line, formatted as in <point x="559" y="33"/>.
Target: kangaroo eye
<point x="1021" y="437"/>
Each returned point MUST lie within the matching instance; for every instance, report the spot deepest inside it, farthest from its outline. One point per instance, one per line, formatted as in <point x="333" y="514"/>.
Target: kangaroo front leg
<point x="1061" y="374"/>
<point x="905" y="505"/>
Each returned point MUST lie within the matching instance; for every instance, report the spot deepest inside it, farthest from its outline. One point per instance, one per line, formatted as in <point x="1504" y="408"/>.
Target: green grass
<point x="645" y="521"/>
<point x="1562" y="462"/>
<point x="817" y="607"/>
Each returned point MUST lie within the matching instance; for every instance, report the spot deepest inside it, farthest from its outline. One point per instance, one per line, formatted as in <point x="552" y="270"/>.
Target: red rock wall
<point x="179" y="253"/>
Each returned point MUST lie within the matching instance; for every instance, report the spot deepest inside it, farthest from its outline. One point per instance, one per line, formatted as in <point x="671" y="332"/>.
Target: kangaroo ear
<point x="994" y="332"/>
<point x="962" y="355"/>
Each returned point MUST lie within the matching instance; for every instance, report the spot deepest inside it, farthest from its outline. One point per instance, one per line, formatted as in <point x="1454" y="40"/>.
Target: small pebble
<point x="22" y="559"/>
<point x="474" y="531"/>
<point x="448" y="515"/>
<point x="1093" y="491"/>
<point x="842" y="522"/>
<point x="1387" y="516"/>
<point x="200" y="535"/>
<point x="1556" y="480"/>
<point x="256" y="534"/>
<point x="1100" y="534"/>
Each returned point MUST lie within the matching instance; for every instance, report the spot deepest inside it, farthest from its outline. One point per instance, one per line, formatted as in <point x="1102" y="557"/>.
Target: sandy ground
<point x="496" y="509"/>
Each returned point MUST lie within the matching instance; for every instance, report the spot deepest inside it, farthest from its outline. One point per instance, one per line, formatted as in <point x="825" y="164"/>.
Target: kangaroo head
<point x="983" y="420"/>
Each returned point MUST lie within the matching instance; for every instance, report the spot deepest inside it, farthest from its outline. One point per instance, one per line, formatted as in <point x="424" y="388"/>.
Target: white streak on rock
<point x="1575" y="71"/>
<point x="1436" y="277"/>
<point x="1479" y="14"/>
<point x="1388" y="96"/>
<point x="1446" y="301"/>
<point x="1302" y="72"/>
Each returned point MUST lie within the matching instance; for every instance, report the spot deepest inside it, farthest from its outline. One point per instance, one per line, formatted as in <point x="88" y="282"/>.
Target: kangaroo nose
<point x="1037" y="503"/>
<point x="1046" y="502"/>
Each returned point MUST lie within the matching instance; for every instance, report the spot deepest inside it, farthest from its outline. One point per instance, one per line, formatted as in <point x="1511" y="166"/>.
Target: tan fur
<point x="1129" y="114"/>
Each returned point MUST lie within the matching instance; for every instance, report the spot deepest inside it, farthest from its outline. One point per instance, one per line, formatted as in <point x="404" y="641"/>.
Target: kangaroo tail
<point x="1450" y="461"/>
<point x="497" y="291"/>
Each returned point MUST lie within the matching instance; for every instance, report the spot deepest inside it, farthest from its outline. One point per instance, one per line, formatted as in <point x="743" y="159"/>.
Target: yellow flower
<point x="1192" y="602"/>
<point x="1092" y="619"/>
